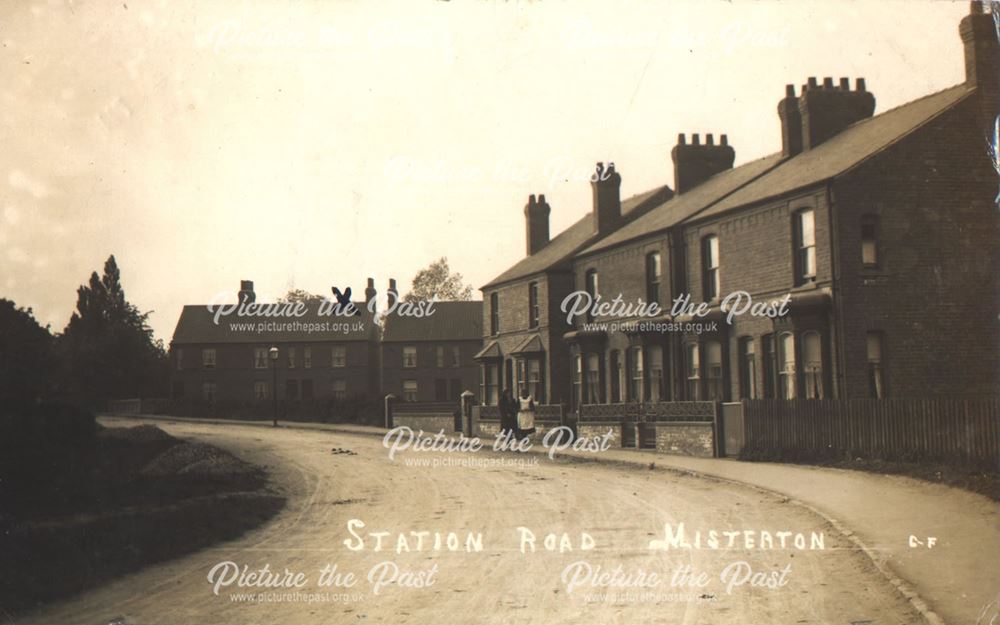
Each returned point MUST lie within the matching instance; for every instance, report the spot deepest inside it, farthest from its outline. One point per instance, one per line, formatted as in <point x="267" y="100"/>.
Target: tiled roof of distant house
<point x="561" y="249"/>
<point x="451" y="321"/>
<point x="197" y="325"/>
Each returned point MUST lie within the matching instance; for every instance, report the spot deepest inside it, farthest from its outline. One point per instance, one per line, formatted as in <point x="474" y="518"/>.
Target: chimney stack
<point x="606" y="183"/>
<point x="791" y="123"/>
<point x="982" y="59"/>
<point x="246" y="293"/>
<point x="392" y="294"/>
<point x="695" y="163"/>
<point x="828" y="109"/>
<point x="370" y="292"/>
<point x="536" y="223"/>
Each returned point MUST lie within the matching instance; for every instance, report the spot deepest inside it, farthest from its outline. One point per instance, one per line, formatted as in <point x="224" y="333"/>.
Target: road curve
<point x="621" y="509"/>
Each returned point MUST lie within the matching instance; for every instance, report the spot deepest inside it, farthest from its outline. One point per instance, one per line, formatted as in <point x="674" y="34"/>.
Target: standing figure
<point x="508" y="411"/>
<point x="525" y="415"/>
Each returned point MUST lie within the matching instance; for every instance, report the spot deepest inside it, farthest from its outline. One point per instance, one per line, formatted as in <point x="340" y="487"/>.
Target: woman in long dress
<point x="525" y="415"/>
<point x="508" y="410"/>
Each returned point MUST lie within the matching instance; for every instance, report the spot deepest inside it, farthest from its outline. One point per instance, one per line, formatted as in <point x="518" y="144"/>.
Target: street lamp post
<point x="273" y="355"/>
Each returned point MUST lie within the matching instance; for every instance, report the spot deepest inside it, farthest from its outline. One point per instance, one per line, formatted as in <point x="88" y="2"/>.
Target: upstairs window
<point x="307" y="358"/>
<point x="409" y="357"/>
<point x="338" y="356"/>
<point x="208" y="358"/>
<point x="869" y="242"/>
<point x="653" y="277"/>
<point x="804" y="235"/>
<point x="260" y="358"/>
<point x="494" y="314"/>
<point x="439" y="356"/>
<point x="456" y="356"/>
<point x="710" y="283"/>
<point x="533" y="310"/>
<point x="291" y="357"/>
<point x="590" y="284"/>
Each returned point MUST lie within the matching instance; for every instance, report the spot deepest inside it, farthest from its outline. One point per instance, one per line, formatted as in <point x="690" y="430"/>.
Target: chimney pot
<point x="859" y="84"/>
<point x="976" y="7"/>
<point x="826" y="112"/>
<point x="696" y="163"/>
<point x="812" y="82"/>
<point x="536" y="224"/>
<point x="845" y="84"/>
<point x="789" y="91"/>
<point x="681" y="139"/>
<point x="606" y="187"/>
<point x="828" y="83"/>
<point x="246" y="293"/>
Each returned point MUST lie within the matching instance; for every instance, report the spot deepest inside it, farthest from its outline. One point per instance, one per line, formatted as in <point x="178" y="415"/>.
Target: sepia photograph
<point x="500" y="312"/>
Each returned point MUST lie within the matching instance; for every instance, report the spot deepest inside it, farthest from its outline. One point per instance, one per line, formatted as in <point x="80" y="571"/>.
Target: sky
<point x="313" y="144"/>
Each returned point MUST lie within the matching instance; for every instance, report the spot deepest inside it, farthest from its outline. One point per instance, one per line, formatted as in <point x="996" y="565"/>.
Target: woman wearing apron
<point x="525" y="415"/>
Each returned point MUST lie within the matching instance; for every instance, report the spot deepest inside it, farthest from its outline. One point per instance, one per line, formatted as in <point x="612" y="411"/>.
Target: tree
<point x="300" y="295"/>
<point x="108" y="345"/>
<point x="26" y="365"/>
<point x="437" y="280"/>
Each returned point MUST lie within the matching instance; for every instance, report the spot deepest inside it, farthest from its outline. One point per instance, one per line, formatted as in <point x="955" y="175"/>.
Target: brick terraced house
<point x="522" y="323"/>
<point x="879" y="232"/>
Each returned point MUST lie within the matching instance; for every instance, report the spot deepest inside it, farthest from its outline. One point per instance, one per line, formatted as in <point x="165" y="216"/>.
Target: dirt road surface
<point x="332" y="478"/>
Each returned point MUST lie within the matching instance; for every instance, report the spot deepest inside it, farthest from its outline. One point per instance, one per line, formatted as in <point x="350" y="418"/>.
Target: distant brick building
<point x="881" y="230"/>
<point x="431" y="358"/>
<point x="320" y="357"/>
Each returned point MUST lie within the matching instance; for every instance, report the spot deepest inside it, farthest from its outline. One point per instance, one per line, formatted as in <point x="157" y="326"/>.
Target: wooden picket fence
<point x="962" y="431"/>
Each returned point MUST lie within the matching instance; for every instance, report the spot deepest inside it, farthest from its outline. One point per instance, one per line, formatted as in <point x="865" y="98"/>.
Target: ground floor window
<point x="488" y="386"/>
<point x="535" y="380"/>
<point x="593" y="386"/>
<point x="261" y="390"/>
<point x="812" y="365"/>
<point x="208" y="391"/>
<point x="657" y="381"/>
<point x="636" y="374"/>
<point x="338" y="389"/>
<point x="874" y="349"/>
<point x="578" y="380"/>
<point x="713" y="371"/>
<point x="786" y="365"/>
<point x="292" y="389"/>
<point x="615" y="371"/>
<point x="409" y="390"/>
<point x="748" y="368"/>
<point x="692" y="369"/>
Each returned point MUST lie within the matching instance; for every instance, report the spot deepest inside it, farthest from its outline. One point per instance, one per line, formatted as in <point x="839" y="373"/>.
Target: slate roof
<point x="197" y="325"/>
<point x="844" y="151"/>
<point x="561" y="249"/>
<point x="682" y="206"/>
<point x="451" y="321"/>
<point x="492" y="350"/>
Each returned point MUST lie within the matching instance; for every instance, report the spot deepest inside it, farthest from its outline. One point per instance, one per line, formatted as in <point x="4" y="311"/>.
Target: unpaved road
<point x="621" y="509"/>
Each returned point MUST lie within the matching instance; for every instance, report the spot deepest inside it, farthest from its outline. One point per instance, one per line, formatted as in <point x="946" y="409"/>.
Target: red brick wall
<point x="935" y="295"/>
